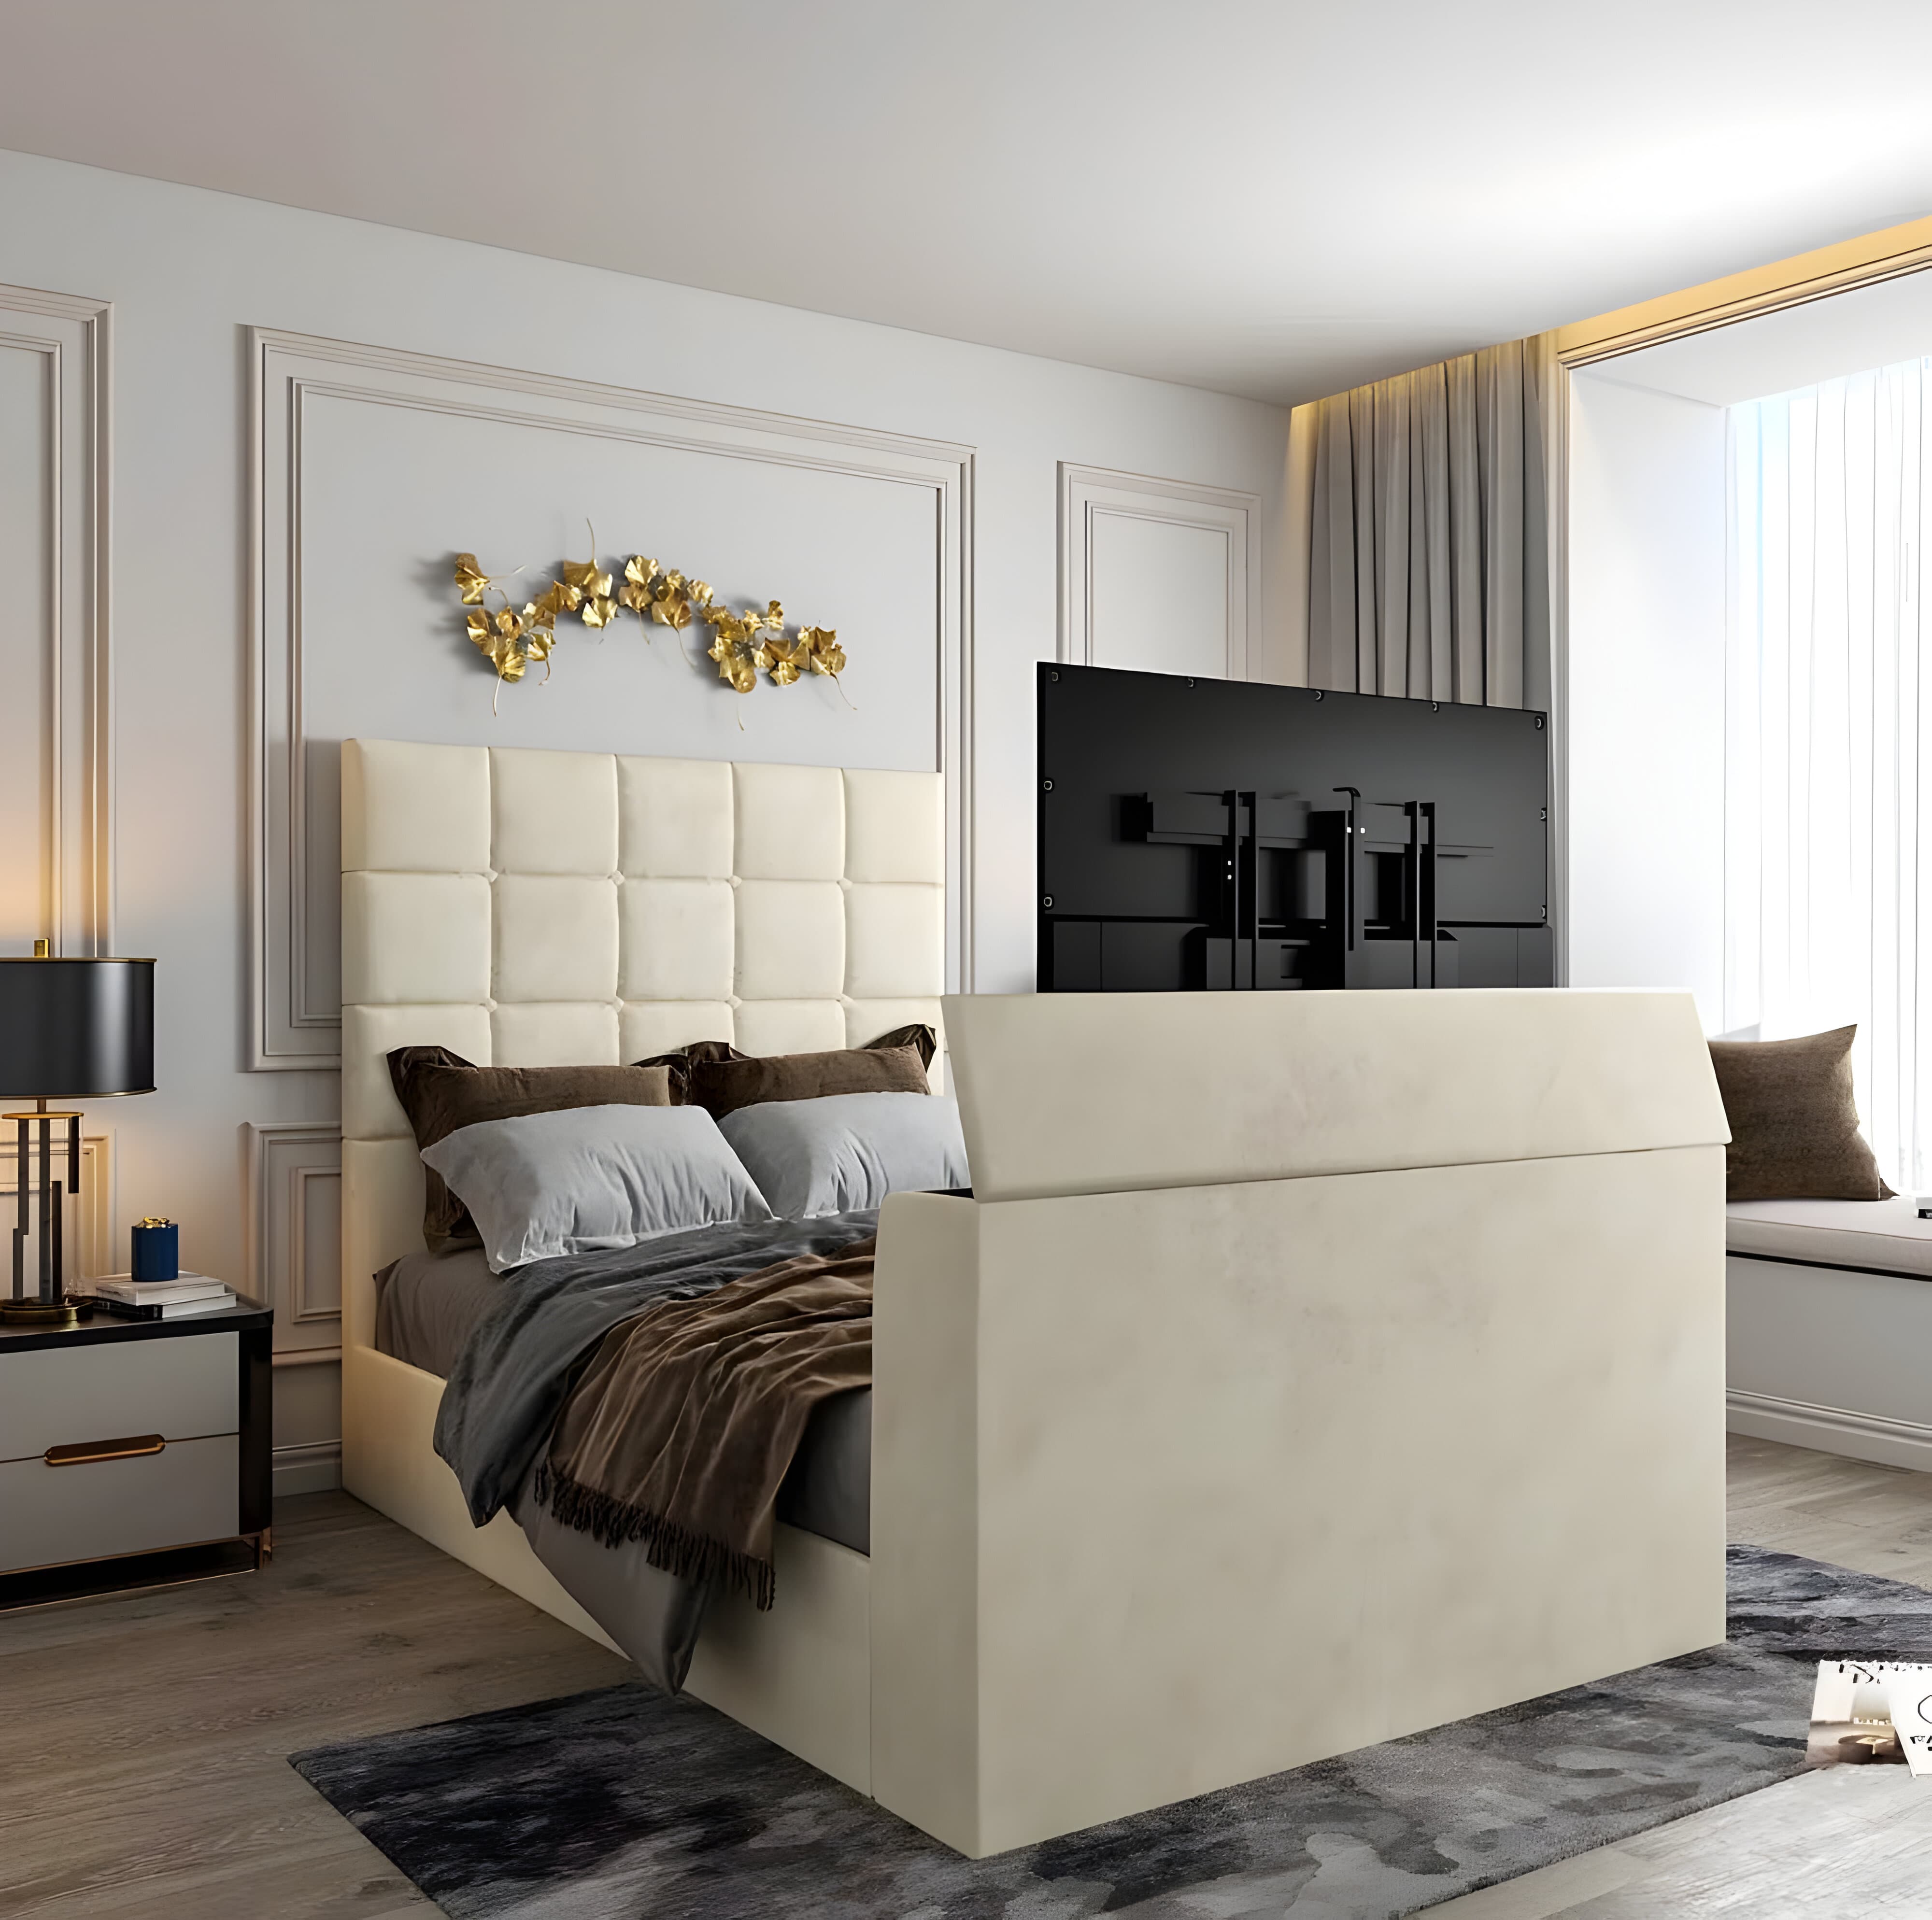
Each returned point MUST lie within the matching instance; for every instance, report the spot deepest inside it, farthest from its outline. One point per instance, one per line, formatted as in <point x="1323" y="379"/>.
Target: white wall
<point x="1644" y="702"/>
<point x="187" y="273"/>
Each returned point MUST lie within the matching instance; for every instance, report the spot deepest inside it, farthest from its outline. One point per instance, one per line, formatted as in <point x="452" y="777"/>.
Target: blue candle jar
<point x="157" y="1250"/>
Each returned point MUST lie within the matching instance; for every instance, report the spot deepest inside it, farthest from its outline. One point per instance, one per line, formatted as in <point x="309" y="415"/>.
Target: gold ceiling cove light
<point x="744" y="644"/>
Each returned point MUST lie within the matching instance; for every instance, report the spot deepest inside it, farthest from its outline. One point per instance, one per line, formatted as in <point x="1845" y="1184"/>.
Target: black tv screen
<point x="1227" y="834"/>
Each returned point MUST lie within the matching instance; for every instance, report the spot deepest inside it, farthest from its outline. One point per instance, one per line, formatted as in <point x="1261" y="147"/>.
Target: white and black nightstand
<point x="132" y="1452"/>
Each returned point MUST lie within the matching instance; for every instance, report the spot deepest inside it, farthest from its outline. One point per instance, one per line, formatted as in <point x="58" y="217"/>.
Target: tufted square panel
<point x="677" y="939"/>
<point x="791" y="823"/>
<point x="791" y="940"/>
<point x="415" y="936"/>
<point x="416" y="810"/>
<point x="565" y="1033"/>
<point x="556" y="938"/>
<point x="895" y="940"/>
<point x="895" y="827"/>
<point x="552" y="812"/>
<point x="647" y="1028"/>
<point x="675" y="819"/>
<point x="789" y="1026"/>
<point x="541" y="909"/>
<point x="370" y="1108"/>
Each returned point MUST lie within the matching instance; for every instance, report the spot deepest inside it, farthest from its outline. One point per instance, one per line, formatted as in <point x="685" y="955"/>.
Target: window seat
<point x="1882" y="1236"/>
<point x="1829" y="1336"/>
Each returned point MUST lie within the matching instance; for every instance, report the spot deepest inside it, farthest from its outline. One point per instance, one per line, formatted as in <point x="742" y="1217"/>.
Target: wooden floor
<point x="142" y="1739"/>
<point x="1847" y="1841"/>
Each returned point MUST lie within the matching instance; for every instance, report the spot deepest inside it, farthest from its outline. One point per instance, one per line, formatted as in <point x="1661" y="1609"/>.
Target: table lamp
<point x="70" y="1029"/>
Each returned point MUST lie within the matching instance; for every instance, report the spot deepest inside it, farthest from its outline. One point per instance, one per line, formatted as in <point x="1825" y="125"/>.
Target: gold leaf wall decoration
<point x="744" y="644"/>
<point x="473" y="582"/>
<point x="824" y="652"/>
<point x="781" y="659"/>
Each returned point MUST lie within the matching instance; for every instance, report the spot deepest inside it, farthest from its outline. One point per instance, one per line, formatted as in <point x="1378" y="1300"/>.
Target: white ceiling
<point x="1271" y="197"/>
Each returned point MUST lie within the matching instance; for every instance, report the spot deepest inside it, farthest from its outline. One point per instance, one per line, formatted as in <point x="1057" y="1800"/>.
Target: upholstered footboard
<point x="1177" y="1486"/>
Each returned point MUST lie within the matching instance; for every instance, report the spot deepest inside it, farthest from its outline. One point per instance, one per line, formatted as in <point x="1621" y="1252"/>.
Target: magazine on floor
<point x="1868" y="1710"/>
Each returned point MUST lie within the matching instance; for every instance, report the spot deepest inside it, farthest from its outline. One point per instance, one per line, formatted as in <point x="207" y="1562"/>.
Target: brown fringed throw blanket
<point x="679" y="1432"/>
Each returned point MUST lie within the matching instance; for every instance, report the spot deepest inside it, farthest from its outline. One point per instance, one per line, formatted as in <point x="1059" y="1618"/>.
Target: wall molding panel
<point x="295" y="1023"/>
<point x="1095" y="500"/>
<point x="292" y="1252"/>
<point x="55" y="481"/>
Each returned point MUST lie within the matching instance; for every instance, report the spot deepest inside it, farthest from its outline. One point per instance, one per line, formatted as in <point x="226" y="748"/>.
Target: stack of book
<point x="161" y="1299"/>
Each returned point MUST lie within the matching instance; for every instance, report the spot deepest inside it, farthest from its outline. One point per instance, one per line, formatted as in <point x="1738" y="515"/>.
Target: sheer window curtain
<point x="1827" y="837"/>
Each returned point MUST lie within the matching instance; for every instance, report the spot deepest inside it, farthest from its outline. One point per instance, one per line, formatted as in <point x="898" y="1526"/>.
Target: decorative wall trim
<point x="1088" y="492"/>
<point x="286" y="1162"/>
<point x="1832" y="1429"/>
<point x="73" y="336"/>
<point x="289" y="1028"/>
<point x="313" y="1468"/>
<point x="1888" y="254"/>
<point x="304" y="1304"/>
<point x="1556" y="452"/>
<point x="88" y="1229"/>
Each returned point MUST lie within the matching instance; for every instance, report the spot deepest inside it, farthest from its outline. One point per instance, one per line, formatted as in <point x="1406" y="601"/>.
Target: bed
<point x="1304" y="1370"/>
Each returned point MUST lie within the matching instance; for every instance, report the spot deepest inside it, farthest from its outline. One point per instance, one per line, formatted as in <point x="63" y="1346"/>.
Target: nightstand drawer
<point x="180" y="1496"/>
<point x="180" y="1387"/>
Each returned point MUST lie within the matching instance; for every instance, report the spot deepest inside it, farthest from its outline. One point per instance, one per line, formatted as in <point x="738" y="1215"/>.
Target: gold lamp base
<point x="54" y="1316"/>
<point x="22" y="1308"/>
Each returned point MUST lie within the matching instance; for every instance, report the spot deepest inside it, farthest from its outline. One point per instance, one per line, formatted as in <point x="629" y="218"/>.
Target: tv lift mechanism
<point x="1355" y="899"/>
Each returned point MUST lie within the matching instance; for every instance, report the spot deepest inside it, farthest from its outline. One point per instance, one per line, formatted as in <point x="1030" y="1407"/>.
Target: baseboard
<point x="1831" y="1430"/>
<point x="316" y="1468"/>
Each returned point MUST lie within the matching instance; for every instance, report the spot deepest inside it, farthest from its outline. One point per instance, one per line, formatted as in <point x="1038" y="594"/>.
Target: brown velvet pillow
<point x="441" y="1091"/>
<point x="1794" y="1122"/>
<point x="721" y="1079"/>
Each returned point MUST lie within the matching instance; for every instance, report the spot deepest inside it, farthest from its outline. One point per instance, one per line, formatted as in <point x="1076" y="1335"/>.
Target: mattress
<point x="427" y="1305"/>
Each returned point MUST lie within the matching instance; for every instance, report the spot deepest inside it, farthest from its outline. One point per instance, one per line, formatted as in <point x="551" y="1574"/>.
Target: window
<point x="1828" y="834"/>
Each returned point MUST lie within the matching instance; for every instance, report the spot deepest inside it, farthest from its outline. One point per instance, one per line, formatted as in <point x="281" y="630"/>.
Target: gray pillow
<point x="844" y="1151"/>
<point x="587" y="1178"/>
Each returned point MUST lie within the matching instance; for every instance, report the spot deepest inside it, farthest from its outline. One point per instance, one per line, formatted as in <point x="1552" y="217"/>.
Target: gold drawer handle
<point x="82" y="1452"/>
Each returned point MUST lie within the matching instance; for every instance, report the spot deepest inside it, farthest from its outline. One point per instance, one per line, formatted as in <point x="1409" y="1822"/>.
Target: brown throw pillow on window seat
<point x="441" y="1091"/>
<point x="1794" y="1122"/>
<point x="721" y="1079"/>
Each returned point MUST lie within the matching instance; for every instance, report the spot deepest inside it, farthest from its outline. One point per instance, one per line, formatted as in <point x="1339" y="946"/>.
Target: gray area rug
<point x="623" y="1805"/>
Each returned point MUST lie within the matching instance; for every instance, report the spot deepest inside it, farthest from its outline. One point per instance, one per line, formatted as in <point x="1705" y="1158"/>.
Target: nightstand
<point x="132" y="1452"/>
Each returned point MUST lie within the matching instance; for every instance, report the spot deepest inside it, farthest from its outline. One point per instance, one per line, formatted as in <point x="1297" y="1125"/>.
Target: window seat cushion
<point x="1880" y="1236"/>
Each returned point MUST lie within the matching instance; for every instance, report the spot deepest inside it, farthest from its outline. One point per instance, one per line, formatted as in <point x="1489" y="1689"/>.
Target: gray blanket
<point x="508" y="1384"/>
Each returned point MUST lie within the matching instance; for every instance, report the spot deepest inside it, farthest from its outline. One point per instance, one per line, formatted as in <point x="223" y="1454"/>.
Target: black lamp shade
<point x="76" y="1029"/>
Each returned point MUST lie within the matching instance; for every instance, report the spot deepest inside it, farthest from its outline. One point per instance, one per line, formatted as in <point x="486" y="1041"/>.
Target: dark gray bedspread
<point x="427" y="1305"/>
<point x="509" y="1382"/>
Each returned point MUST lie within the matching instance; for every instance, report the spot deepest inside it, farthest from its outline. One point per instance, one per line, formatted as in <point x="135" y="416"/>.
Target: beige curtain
<point x="1428" y="565"/>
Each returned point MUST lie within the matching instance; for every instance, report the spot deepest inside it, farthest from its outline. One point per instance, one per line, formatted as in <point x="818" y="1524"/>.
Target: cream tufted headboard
<point x="535" y="908"/>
